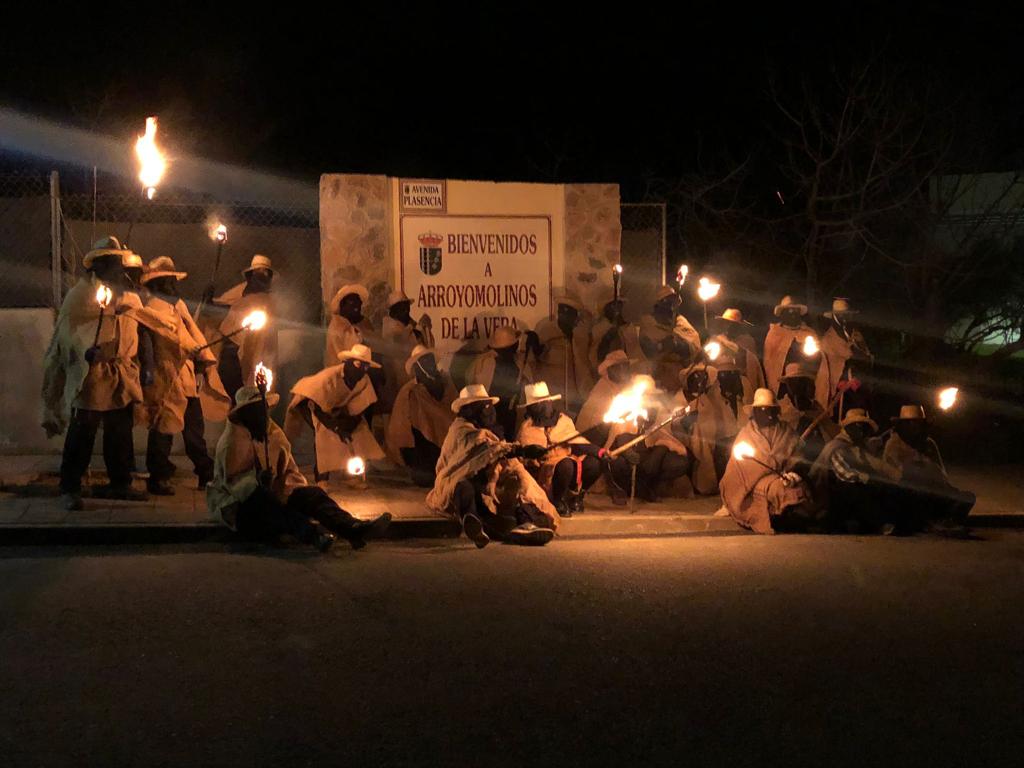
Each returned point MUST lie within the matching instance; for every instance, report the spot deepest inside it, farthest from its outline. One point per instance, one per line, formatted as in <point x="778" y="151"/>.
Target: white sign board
<point x="471" y="273"/>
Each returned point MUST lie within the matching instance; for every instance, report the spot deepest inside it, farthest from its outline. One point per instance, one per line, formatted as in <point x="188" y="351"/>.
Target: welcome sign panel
<point x="472" y="273"/>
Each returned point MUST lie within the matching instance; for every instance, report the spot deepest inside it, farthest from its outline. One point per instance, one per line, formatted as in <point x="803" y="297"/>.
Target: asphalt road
<point x="727" y="650"/>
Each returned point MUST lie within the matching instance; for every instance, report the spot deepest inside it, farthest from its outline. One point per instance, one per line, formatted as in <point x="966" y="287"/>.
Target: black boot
<point x="360" y="529"/>
<point x="575" y="502"/>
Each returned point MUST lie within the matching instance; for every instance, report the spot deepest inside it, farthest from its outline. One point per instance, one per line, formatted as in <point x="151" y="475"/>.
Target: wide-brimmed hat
<point x="858" y="416"/>
<point x="569" y="300"/>
<point x="417" y="352"/>
<point x="162" y="266"/>
<point x="345" y="290"/>
<point x="359" y="352"/>
<point x="910" y="413"/>
<point x="472" y="393"/>
<point x="763" y="398"/>
<point x="132" y="260"/>
<point x="664" y="292"/>
<point x="259" y="261"/>
<point x="841" y="306"/>
<point x="797" y="371"/>
<point x="789" y="303"/>
<point x="397" y="296"/>
<point x="733" y="315"/>
<point x="615" y="357"/>
<point x="105" y="246"/>
<point x="249" y="395"/>
<point x="503" y="336"/>
<point x="538" y="393"/>
<point x="725" y="362"/>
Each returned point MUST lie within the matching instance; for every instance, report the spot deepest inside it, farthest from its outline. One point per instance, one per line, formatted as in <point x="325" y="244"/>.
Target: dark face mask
<point x="254" y="418"/>
<point x="351" y="308"/>
<point x="399" y="312"/>
<point x="730" y="384"/>
<point x="697" y="383"/>
<point x="613" y="312"/>
<point x="480" y="415"/>
<point x="354" y="373"/>
<point x="543" y="414"/>
<point x="665" y="310"/>
<point x="858" y="433"/>
<point x="567" y="319"/>
<point x="766" y="417"/>
<point x="109" y="270"/>
<point x="258" y="281"/>
<point x="133" y="278"/>
<point x="619" y="373"/>
<point x="164" y="286"/>
<point x="509" y="352"/>
<point x="731" y="330"/>
<point x="427" y="374"/>
<point x="914" y="432"/>
<point x="801" y="392"/>
<point x="791" y="318"/>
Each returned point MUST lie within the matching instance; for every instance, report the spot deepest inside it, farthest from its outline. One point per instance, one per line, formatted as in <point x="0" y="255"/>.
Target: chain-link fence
<point x="25" y="241"/>
<point x="643" y="253"/>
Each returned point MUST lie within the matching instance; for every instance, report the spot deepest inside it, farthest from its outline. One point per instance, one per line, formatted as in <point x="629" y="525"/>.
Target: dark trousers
<point x="79" y="442"/>
<point x="467" y="501"/>
<point x="657" y="465"/>
<point x="263" y="516"/>
<point x="230" y="368"/>
<point x="568" y="471"/>
<point x="422" y="460"/>
<point x="158" y="449"/>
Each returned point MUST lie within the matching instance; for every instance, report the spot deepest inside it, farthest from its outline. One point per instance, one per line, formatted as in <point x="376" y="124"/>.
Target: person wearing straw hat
<point x="614" y="372"/>
<point x="334" y="403"/>
<point x="92" y="379"/>
<point x="266" y="500"/>
<point x="668" y="339"/>
<point x="239" y="355"/>
<point x="481" y="481"/>
<point x="799" y="411"/>
<point x="762" y="492"/>
<point x="565" y="342"/>
<point x="566" y="472"/>
<point x="399" y="335"/>
<point x="733" y="333"/>
<point x="184" y="382"/>
<point x="784" y="340"/>
<point x="612" y="332"/>
<point x="348" y="326"/>
<point x="844" y="349"/>
<point x="925" y="492"/>
<point x="420" y="417"/>
<point x="502" y="371"/>
<point x="850" y="480"/>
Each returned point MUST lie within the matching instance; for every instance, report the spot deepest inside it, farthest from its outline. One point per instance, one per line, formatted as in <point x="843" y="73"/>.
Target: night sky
<point x="504" y="92"/>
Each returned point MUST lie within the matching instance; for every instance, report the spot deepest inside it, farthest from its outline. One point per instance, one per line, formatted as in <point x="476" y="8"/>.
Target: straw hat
<point x="359" y="352"/>
<point x="788" y="303"/>
<point x="841" y="307"/>
<point x="569" y="300"/>
<point x="797" y="371"/>
<point x="345" y="290"/>
<point x="910" y="413"/>
<point x="733" y="316"/>
<point x="858" y="416"/>
<point x="763" y="398"/>
<point x="538" y="393"/>
<point x="472" y="393"/>
<point x="397" y="296"/>
<point x="615" y="357"/>
<point x="417" y="352"/>
<point x="664" y="292"/>
<point x="503" y="336"/>
<point x="725" y="363"/>
<point x="105" y="246"/>
<point x="259" y="261"/>
<point x="249" y="395"/>
<point x="132" y="260"/>
<point x="162" y="266"/>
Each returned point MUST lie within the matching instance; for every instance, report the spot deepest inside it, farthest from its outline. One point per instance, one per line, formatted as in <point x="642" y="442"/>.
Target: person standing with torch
<point x="238" y="357"/>
<point x="91" y="376"/>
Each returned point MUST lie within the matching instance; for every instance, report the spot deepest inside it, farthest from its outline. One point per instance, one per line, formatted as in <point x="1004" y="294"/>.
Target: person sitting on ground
<point x="852" y="483"/>
<point x="421" y="417"/>
<point x="334" y="404"/>
<point x="733" y="392"/>
<point x="923" y="486"/>
<point x="699" y="427"/>
<point x="482" y="483"/>
<point x="801" y="412"/>
<point x="762" y="492"/>
<point x="500" y="371"/>
<point x="733" y="331"/>
<point x="615" y="375"/>
<point x="784" y="341"/>
<point x="668" y="339"/>
<point x="566" y="472"/>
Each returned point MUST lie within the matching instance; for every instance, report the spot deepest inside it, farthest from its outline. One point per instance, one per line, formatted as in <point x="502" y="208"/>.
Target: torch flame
<point x="262" y="372"/>
<point x="948" y="398"/>
<point x="743" y="450"/>
<point x="151" y="160"/>
<point x="255" y="320"/>
<point x="627" y="406"/>
<point x="811" y="346"/>
<point x="712" y="349"/>
<point x="681" y="274"/>
<point x="103" y="296"/>
<point x="707" y="289"/>
<point x="617" y="269"/>
<point x="219" y="233"/>
<point x="356" y="466"/>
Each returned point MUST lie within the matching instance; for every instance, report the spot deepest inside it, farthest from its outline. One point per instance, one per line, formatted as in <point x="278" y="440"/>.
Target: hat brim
<point x="345" y="290"/>
<point x="154" y="275"/>
<point x="461" y="402"/>
<point x="272" y="399"/>
<point x="778" y="310"/>
<point x="894" y="419"/>
<point x="730" y="320"/>
<point x="347" y="355"/>
<point x="91" y="256"/>
<point x="874" y="426"/>
<point x="547" y="399"/>
<point x="413" y="360"/>
<point x="247" y="270"/>
<point x="810" y="376"/>
<point x="749" y="409"/>
<point x="831" y="315"/>
<point x="577" y="305"/>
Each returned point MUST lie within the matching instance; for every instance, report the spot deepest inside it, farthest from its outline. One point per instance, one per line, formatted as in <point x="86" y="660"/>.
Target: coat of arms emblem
<point x="430" y="253"/>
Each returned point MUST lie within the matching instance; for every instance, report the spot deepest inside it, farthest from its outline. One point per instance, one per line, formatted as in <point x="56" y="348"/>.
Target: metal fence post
<point x="56" y="258"/>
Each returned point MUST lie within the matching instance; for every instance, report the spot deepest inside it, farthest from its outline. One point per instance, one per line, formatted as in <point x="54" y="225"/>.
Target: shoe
<point x="356" y="535"/>
<point x="530" y="535"/>
<point x="575" y="503"/>
<point x="120" y="492"/>
<point x="72" y="502"/>
<point x="563" y="509"/>
<point x="203" y="482"/>
<point x="619" y="497"/>
<point x="160" y="488"/>
<point x="474" y="530"/>
<point x="887" y="529"/>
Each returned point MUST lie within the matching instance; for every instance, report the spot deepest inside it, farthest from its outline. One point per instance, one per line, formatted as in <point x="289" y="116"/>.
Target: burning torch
<point x="948" y="398"/>
<point x="152" y="165"/>
<point x="219" y="234"/>
<point x="681" y="275"/>
<point x="707" y="289"/>
<point x="264" y="381"/>
<point x="744" y="451"/>
<point x="616" y="281"/>
<point x="103" y="297"/>
<point x="254" y="321"/>
<point x="712" y="350"/>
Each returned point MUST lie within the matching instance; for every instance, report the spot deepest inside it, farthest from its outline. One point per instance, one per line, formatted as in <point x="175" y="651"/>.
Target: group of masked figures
<point x="509" y="439"/>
